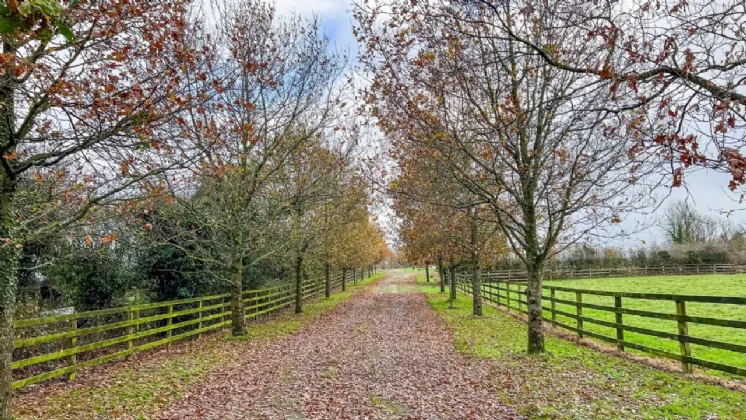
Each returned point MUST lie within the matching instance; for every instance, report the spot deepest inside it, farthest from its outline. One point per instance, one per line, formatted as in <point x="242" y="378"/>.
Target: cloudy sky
<point x="706" y="189"/>
<point x="334" y="14"/>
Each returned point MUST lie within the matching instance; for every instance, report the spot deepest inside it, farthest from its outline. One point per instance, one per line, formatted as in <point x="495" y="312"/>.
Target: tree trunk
<point x="476" y="292"/>
<point x="9" y="264"/>
<point x="441" y="276"/>
<point x="238" y="313"/>
<point x="535" y="315"/>
<point x="299" y="284"/>
<point x="10" y="255"/>
<point x="354" y="276"/>
<point x="476" y="281"/>
<point x="427" y="273"/>
<point x="10" y="258"/>
<point x="344" y="279"/>
<point x="328" y="280"/>
<point x="452" y="277"/>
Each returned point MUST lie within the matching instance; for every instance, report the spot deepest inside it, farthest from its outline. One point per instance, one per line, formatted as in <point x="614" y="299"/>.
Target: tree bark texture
<point x="298" y="284"/>
<point x="327" y="282"/>
<point x="238" y="313"/>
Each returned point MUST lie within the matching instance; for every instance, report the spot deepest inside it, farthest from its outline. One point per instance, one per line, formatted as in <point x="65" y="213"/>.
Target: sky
<point x="707" y="190"/>
<point x="335" y="17"/>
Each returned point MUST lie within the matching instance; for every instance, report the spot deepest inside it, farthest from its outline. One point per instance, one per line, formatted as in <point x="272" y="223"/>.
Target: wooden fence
<point x="54" y="346"/>
<point x="580" y="273"/>
<point x="631" y="313"/>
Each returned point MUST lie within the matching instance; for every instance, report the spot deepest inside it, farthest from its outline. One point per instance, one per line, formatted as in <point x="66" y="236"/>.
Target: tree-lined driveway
<point x="383" y="354"/>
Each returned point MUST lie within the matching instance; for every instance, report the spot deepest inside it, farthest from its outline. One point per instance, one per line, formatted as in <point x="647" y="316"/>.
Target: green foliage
<point x="91" y="278"/>
<point x="43" y="16"/>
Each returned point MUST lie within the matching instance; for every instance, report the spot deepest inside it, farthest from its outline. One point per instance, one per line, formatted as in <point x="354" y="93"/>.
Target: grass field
<point x="575" y="382"/>
<point x="713" y="285"/>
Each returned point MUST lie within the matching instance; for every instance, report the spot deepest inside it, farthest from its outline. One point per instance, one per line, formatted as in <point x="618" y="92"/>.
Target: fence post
<point x="169" y="323"/>
<point x="199" y="326"/>
<point x="620" y="322"/>
<point x="224" y="317"/>
<point x="520" y="301"/>
<point x="497" y="290"/>
<point x="554" y="305"/>
<point x="132" y="315"/>
<point x="579" y="312"/>
<point x="72" y="344"/>
<point x="686" y="367"/>
<point x="507" y="293"/>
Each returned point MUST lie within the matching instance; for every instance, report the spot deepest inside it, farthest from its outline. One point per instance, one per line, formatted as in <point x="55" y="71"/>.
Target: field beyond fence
<point x="54" y="346"/>
<point x="564" y="273"/>
<point x="660" y="317"/>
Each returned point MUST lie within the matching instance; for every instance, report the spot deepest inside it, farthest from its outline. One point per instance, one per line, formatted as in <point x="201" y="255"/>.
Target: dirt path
<point x="383" y="354"/>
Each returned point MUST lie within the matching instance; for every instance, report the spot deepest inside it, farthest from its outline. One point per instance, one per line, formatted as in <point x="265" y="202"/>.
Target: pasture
<point x="701" y="285"/>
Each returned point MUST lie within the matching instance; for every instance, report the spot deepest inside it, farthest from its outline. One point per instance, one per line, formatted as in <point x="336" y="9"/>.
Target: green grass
<point x="140" y="388"/>
<point x="713" y="285"/>
<point x="574" y="382"/>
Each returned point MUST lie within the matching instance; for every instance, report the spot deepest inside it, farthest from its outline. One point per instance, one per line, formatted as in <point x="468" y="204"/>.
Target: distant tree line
<point x="688" y="237"/>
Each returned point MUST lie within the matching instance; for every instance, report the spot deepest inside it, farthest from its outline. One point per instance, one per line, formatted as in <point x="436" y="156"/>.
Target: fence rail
<point x="631" y="271"/>
<point x="564" y="306"/>
<point x="53" y="346"/>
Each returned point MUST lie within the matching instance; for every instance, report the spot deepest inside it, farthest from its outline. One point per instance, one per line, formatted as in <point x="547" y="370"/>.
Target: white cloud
<point x="308" y="7"/>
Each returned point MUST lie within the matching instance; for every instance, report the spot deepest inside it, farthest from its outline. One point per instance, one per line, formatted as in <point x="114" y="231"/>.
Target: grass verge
<point x="574" y="382"/>
<point x="138" y="388"/>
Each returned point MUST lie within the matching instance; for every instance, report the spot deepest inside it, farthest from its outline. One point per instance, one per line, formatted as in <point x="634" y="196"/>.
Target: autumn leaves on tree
<point x="550" y="122"/>
<point x="124" y="114"/>
<point x="516" y="128"/>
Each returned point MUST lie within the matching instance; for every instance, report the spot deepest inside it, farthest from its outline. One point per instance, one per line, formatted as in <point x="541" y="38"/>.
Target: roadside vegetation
<point x="575" y="382"/>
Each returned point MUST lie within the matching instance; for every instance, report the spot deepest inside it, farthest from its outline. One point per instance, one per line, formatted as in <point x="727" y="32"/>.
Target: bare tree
<point x="682" y="224"/>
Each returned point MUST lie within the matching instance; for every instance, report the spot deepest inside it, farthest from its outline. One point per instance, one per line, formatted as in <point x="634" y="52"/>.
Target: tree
<point x="344" y="207"/>
<point x="682" y="223"/>
<point x="442" y="220"/>
<point x="528" y="139"/>
<point x="432" y="223"/>
<point x="276" y="88"/>
<point x="360" y="244"/>
<point x="89" y="95"/>
<point x="315" y="179"/>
